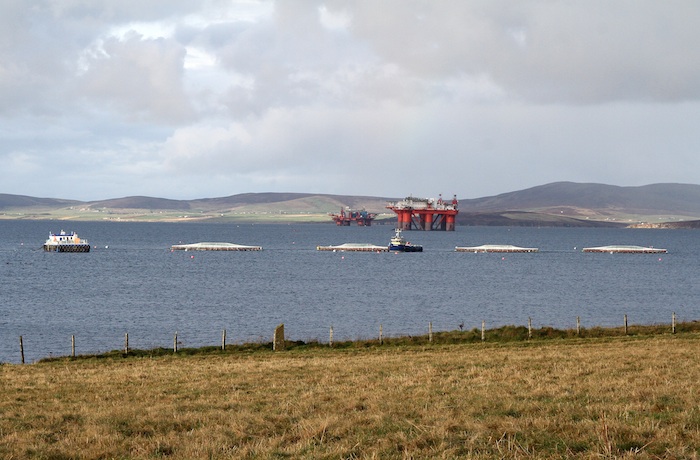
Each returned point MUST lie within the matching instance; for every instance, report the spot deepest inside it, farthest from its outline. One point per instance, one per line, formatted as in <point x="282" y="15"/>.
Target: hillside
<point x="21" y="202"/>
<point x="555" y="204"/>
<point x="596" y="201"/>
<point x="529" y="219"/>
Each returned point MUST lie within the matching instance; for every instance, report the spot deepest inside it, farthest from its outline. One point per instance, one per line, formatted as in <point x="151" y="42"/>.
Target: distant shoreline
<point x="506" y="219"/>
<point x="465" y="218"/>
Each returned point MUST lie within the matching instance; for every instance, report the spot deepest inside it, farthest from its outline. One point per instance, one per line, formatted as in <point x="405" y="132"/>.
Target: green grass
<point x="520" y="335"/>
<point x="600" y="394"/>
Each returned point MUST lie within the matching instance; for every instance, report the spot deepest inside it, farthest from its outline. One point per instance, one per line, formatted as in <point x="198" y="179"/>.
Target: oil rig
<point x="347" y="216"/>
<point x="425" y="213"/>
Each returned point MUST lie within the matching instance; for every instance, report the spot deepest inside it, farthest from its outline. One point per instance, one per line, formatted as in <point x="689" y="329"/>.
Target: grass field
<point x="598" y="397"/>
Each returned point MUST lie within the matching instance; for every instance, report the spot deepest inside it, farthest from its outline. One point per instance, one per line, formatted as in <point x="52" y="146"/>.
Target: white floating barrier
<point x="494" y="248"/>
<point x="626" y="250"/>
<point x="214" y="247"/>
<point x="354" y="247"/>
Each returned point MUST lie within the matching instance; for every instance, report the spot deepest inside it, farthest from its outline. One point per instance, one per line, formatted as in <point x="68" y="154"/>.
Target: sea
<point x="131" y="282"/>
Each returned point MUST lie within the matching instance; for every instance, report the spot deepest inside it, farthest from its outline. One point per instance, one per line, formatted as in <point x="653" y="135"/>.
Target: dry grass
<point x="621" y="397"/>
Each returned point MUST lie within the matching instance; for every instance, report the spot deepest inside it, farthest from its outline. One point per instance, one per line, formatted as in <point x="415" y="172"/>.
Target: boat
<point x="66" y="242"/>
<point x="399" y="244"/>
<point x="495" y="248"/>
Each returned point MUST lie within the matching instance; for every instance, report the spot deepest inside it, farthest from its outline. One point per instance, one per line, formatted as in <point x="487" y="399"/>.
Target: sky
<point x="190" y="99"/>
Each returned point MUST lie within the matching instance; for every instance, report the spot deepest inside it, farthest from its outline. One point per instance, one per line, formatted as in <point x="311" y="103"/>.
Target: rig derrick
<point x="347" y="216"/>
<point x="425" y="213"/>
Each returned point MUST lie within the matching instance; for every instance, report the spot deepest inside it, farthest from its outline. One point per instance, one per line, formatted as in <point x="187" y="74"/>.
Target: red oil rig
<point x="425" y="213"/>
<point x="347" y="216"/>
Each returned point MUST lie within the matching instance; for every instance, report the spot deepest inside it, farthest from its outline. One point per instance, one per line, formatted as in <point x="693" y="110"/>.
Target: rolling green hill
<point x="555" y="204"/>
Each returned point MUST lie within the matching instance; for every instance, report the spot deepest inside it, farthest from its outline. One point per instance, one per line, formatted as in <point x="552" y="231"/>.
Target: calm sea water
<point x="131" y="282"/>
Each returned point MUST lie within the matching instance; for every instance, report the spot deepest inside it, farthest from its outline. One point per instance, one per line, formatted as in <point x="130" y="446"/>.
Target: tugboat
<point x="66" y="242"/>
<point x="398" y="243"/>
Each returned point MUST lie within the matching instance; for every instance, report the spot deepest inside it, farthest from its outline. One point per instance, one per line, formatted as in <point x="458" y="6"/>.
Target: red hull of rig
<point x="347" y="217"/>
<point x="425" y="214"/>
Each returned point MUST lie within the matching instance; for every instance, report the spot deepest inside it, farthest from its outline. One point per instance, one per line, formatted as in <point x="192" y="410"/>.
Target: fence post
<point x="126" y="343"/>
<point x="278" y="338"/>
<point x="330" y="337"/>
<point x="529" y="327"/>
<point x="175" y="343"/>
<point x="430" y="332"/>
<point x="578" y="325"/>
<point x="21" y="348"/>
<point x="483" y="331"/>
<point x="673" y="323"/>
<point x="72" y="346"/>
<point x="223" y="339"/>
<point x="381" y="335"/>
<point x="625" y="323"/>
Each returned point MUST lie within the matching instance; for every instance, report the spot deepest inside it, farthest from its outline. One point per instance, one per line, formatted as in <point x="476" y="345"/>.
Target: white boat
<point x="66" y="242"/>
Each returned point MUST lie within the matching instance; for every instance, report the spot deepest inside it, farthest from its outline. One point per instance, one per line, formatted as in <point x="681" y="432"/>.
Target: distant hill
<point x="596" y="201"/>
<point x="21" y="201"/>
<point x="140" y="202"/>
<point x="528" y="219"/>
<point x="252" y="202"/>
<point x="555" y="204"/>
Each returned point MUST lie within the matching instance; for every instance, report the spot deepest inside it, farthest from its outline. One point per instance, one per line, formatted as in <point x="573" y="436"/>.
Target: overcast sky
<point x="195" y="99"/>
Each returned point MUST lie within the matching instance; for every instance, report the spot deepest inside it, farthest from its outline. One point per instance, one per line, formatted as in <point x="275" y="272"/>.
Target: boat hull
<point x="405" y="248"/>
<point x="67" y="247"/>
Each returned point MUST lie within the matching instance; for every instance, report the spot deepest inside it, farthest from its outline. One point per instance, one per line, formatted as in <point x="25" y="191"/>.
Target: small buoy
<point x="342" y="258"/>
<point x="106" y="247"/>
<point x="191" y="257"/>
<point x="659" y="259"/>
<point x="503" y="258"/>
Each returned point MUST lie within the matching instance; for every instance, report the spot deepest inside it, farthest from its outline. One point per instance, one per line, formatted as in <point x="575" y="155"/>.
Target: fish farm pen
<point x="626" y="250"/>
<point x="495" y="248"/>
<point x="214" y="247"/>
<point x="354" y="247"/>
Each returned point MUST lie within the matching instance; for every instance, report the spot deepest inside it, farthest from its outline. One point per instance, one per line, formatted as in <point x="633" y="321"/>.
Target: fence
<point x="278" y="340"/>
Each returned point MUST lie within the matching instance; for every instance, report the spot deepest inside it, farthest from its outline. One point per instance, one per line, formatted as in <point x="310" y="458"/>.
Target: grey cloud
<point x="536" y="51"/>
<point x="141" y="77"/>
<point x="583" y="52"/>
<point x="44" y="46"/>
<point x="303" y="95"/>
<point x="119" y="11"/>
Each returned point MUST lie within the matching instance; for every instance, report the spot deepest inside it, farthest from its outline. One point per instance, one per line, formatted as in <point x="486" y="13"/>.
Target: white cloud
<point x="221" y="97"/>
<point x="334" y="20"/>
<point x="142" y="78"/>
